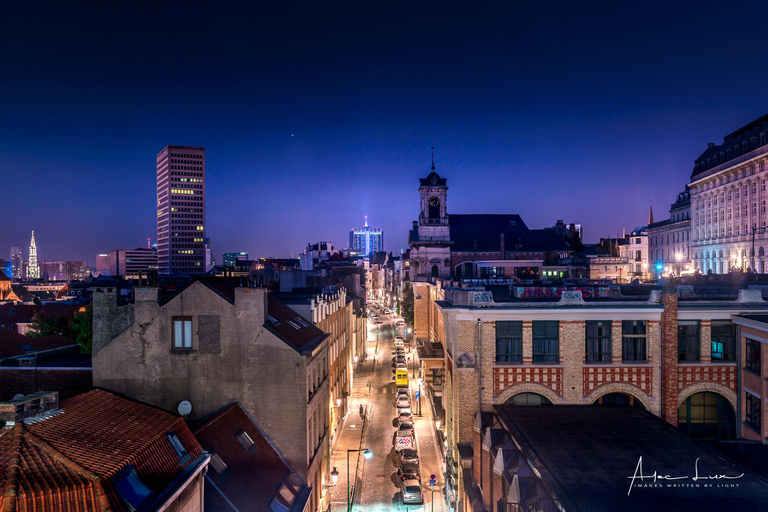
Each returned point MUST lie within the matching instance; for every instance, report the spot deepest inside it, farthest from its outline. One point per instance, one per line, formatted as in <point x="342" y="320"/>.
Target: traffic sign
<point x="432" y="480"/>
<point x="418" y="394"/>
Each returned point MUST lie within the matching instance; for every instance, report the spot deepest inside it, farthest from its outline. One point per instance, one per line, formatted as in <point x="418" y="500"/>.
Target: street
<point x="380" y="483"/>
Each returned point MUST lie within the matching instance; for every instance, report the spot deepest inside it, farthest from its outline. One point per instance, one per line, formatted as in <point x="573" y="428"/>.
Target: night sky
<point x="315" y="114"/>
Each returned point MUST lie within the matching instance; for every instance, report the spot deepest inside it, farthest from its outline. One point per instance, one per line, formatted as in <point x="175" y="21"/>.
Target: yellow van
<point x="401" y="377"/>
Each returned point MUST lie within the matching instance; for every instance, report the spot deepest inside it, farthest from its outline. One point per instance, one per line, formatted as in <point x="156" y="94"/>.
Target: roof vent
<point x="34" y="404"/>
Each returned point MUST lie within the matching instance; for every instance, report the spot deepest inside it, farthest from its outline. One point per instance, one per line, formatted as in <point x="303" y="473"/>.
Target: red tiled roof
<point x="292" y="328"/>
<point x="252" y="479"/>
<point x="65" y="462"/>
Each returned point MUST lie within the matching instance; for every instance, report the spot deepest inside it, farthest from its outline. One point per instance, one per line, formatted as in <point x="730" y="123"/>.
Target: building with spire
<point x="669" y="241"/>
<point x="33" y="270"/>
<point x="366" y="240"/>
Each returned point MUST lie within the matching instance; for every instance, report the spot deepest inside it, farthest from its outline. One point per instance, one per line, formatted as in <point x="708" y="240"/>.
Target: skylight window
<point x="178" y="447"/>
<point x="246" y="441"/>
<point x="26" y="348"/>
<point x="218" y="464"/>
<point x="276" y="506"/>
<point x="294" y="325"/>
<point x="132" y="489"/>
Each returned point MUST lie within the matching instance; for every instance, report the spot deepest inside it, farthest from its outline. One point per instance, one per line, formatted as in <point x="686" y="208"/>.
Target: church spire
<point x="433" y="158"/>
<point x="650" y="213"/>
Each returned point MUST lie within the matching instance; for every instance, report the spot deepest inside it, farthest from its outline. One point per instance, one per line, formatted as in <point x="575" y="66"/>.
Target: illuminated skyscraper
<point x="16" y="261"/>
<point x="366" y="239"/>
<point x="181" y="210"/>
<point x="33" y="270"/>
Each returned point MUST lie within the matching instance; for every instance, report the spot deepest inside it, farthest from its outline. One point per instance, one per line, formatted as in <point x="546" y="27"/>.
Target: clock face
<point x="434" y="202"/>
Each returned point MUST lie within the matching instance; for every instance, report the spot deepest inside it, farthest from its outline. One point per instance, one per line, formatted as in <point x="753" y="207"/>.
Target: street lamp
<point x="437" y="424"/>
<point x="419" y="397"/>
<point x="338" y="402"/>
<point x="367" y="454"/>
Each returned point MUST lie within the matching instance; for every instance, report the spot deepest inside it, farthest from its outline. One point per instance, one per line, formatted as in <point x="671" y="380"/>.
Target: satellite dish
<point x="185" y="407"/>
<point x="18" y="396"/>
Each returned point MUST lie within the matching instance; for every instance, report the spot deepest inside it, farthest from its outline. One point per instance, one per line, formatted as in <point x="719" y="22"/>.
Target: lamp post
<point x="367" y="454"/>
<point x="419" y="397"/>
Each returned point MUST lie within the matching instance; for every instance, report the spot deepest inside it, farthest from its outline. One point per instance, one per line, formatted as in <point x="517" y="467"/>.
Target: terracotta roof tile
<point x="66" y="461"/>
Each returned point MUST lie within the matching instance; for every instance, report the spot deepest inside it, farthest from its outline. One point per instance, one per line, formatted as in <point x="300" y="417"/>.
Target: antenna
<point x="433" y="158"/>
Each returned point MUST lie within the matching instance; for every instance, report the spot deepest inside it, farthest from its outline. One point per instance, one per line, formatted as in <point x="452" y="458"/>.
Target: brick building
<point x="215" y="340"/>
<point x="675" y="358"/>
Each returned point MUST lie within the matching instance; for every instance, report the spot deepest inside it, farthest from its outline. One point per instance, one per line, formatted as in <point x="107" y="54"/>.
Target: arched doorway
<point x="618" y="399"/>
<point x="707" y="414"/>
<point x="435" y="271"/>
<point x="528" y="399"/>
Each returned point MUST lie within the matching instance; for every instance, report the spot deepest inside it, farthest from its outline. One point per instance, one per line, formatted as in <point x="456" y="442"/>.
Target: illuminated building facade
<point x="728" y="202"/>
<point x="133" y="264"/>
<point x="102" y="264"/>
<point x="230" y="258"/>
<point x="669" y="241"/>
<point x="366" y="240"/>
<point x="33" y="270"/>
<point x="16" y="262"/>
<point x="181" y="210"/>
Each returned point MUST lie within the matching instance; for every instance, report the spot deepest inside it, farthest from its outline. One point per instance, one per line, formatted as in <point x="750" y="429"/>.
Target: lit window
<point x="182" y="333"/>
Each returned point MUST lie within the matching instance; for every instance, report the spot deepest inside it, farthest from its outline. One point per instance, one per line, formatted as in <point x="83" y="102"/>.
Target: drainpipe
<point x="479" y="365"/>
<point x="738" y="381"/>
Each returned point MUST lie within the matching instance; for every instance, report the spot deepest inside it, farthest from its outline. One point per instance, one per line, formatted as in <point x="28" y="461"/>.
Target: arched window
<point x="528" y="399"/>
<point x="434" y="207"/>
<point x="618" y="399"/>
<point x="706" y="415"/>
<point x="435" y="271"/>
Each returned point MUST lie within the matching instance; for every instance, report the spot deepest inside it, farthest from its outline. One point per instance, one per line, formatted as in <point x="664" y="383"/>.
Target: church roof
<point x="433" y="180"/>
<point x="482" y="233"/>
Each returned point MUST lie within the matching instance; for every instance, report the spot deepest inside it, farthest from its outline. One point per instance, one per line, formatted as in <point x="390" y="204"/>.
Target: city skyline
<point x="606" y="109"/>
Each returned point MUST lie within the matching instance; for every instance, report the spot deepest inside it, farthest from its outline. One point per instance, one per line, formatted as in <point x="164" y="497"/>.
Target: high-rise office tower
<point x="16" y="259"/>
<point x="366" y="239"/>
<point x="181" y="210"/>
<point x="33" y="270"/>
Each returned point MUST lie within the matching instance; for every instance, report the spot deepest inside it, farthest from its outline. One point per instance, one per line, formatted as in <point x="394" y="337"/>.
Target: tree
<point x="44" y="324"/>
<point x="408" y="304"/>
<point x="81" y="329"/>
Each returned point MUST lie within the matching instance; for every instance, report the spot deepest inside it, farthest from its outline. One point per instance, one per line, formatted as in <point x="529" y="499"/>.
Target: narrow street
<point x="380" y="483"/>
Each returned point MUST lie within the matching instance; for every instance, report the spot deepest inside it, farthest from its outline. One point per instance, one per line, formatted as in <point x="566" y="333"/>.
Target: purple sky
<point x="313" y="117"/>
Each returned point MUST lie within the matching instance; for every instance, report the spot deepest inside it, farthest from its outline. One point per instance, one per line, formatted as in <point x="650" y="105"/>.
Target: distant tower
<point x="33" y="271"/>
<point x="431" y="238"/>
<point x="366" y="240"/>
<point x="16" y="261"/>
<point x="650" y="214"/>
<point x="181" y="210"/>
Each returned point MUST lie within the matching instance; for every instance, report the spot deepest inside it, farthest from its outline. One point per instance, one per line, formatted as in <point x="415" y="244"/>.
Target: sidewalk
<point x="350" y="438"/>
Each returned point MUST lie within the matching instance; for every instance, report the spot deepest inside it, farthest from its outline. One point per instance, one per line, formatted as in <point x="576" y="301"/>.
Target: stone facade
<point x="233" y="356"/>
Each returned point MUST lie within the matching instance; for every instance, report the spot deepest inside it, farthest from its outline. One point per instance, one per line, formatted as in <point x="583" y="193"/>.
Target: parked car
<point x="400" y="322"/>
<point x="409" y="455"/>
<point x="412" y="491"/>
<point x="403" y="403"/>
<point x="404" y="415"/>
<point x="407" y="426"/>
<point x="399" y="344"/>
<point x="408" y="470"/>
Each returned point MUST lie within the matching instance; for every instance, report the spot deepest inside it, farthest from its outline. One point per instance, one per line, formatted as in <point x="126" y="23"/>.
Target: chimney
<point x="415" y="224"/>
<point x="710" y="145"/>
<point x="502" y="252"/>
<point x="560" y="227"/>
<point x="34" y="404"/>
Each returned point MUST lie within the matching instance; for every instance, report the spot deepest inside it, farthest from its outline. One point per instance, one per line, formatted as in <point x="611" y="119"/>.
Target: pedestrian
<point x="362" y="411"/>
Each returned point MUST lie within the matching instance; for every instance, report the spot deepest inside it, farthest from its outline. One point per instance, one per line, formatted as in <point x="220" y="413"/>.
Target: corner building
<point x="181" y="210"/>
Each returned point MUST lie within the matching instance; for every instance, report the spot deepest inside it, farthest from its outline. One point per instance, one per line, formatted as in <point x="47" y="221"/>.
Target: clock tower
<point x="430" y="242"/>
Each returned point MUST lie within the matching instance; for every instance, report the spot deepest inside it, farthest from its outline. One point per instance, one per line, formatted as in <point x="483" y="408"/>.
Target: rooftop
<point x="587" y="455"/>
<point x="250" y="478"/>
